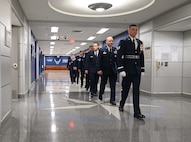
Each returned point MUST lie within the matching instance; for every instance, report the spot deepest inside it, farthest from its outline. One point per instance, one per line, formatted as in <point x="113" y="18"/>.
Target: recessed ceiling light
<point x="52" y="43"/>
<point x="53" y="37"/>
<point x="83" y="43"/>
<point x="51" y="47"/>
<point x="91" y="38"/>
<point x="103" y="30"/>
<point x="99" y="7"/>
<point x="54" y="29"/>
<point x="77" y="47"/>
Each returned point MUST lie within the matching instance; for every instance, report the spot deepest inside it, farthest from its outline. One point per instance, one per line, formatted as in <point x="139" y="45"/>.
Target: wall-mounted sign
<point x="56" y="60"/>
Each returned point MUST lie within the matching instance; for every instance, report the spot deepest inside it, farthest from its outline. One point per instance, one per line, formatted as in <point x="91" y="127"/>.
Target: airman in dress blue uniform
<point x="107" y="68"/>
<point x="81" y="62"/>
<point x="91" y="68"/>
<point x="130" y="63"/>
<point x="71" y="65"/>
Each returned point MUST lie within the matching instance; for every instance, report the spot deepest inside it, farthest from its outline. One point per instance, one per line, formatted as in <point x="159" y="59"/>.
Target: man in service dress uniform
<point x="91" y="68"/>
<point x="107" y="68"/>
<point x="130" y="63"/>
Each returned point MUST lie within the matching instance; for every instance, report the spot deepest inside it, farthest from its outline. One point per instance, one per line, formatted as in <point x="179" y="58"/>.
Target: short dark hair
<point x="91" y="46"/>
<point x="96" y="43"/>
<point x="132" y="25"/>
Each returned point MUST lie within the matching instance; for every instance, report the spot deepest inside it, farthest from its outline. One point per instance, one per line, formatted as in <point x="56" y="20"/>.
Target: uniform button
<point x="135" y="63"/>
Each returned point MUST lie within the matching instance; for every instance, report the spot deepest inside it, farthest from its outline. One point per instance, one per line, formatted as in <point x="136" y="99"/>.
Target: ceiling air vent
<point x="77" y="31"/>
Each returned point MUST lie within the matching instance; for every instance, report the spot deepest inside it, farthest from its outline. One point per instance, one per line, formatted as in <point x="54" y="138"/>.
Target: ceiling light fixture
<point x="54" y="29"/>
<point x="103" y="30"/>
<point x="52" y="43"/>
<point x="77" y="47"/>
<point x="53" y="37"/>
<point x="88" y="8"/>
<point x="91" y="38"/>
<point x="83" y="43"/>
<point x="100" y="7"/>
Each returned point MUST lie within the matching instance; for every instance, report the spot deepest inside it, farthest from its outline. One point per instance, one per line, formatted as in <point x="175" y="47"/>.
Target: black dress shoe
<point x="92" y="94"/>
<point x="139" y="116"/>
<point x="121" y="109"/>
<point x="100" y="97"/>
<point x="113" y="103"/>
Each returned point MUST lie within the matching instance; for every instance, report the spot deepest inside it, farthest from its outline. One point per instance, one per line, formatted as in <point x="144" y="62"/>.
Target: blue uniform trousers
<point x="126" y="83"/>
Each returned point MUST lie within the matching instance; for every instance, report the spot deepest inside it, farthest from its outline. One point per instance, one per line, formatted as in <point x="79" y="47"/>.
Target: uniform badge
<point x="115" y="52"/>
<point x="141" y="47"/>
<point x="118" y="47"/>
<point x="104" y="52"/>
<point x="91" y="56"/>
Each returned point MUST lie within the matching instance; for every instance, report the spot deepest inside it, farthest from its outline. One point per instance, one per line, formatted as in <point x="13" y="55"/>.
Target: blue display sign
<point x="56" y="60"/>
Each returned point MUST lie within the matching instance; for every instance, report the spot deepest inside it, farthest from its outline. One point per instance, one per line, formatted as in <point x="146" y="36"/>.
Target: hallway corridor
<point x="57" y="111"/>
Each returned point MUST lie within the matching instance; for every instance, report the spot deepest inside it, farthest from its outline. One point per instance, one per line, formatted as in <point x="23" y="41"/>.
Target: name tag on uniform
<point x="91" y="56"/>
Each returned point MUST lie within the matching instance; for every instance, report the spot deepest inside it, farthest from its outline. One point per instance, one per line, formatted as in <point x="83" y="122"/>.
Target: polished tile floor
<point x="58" y="111"/>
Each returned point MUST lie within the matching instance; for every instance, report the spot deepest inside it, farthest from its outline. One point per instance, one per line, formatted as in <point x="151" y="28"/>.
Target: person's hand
<point x="99" y="72"/>
<point x="75" y="68"/>
<point x="86" y="72"/>
<point x="122" y="74"/>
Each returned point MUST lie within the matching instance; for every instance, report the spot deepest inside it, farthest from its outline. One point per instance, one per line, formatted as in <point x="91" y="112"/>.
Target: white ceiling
<point x="41" y="17"/>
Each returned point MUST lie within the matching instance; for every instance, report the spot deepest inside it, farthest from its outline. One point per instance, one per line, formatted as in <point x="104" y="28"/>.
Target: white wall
<point x="37" y="61"/>
<point x="5" y="61"/>
<point x="24" y="47"/>
<point x="187" y="63"/>
<point x="168" y="47"/>
<point x="146" y="36"/>
<point x="173" y="16"/>
<point x="15" y="59"/>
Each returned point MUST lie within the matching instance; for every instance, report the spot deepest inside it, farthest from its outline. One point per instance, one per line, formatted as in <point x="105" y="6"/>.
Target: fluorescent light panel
<point x="103" y="30"/>
<point x="51" y="47"/>
<point x="83" y="43"/>
<point x="91" y="38"/>
<point x="52" y="43"/>
<point x="54" y="29"/>
<point x="53" y="37"/>
<point x="77" y="47"/>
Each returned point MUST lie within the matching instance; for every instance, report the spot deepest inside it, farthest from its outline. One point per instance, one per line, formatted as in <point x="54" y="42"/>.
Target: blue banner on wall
<point x="56" y="60"/>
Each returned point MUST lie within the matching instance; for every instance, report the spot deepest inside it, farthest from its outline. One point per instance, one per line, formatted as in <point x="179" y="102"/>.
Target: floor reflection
<point x="57" y="111"/>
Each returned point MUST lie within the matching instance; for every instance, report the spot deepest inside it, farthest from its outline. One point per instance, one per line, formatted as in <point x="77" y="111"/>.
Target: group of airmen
<point x="127" y="59"/>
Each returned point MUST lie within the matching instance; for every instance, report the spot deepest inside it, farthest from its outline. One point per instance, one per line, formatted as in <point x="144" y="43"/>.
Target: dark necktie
<point x="134" y="44"/>
<point x="96" y="53"/>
